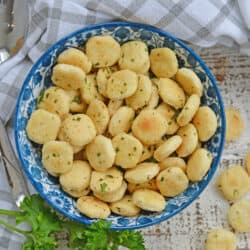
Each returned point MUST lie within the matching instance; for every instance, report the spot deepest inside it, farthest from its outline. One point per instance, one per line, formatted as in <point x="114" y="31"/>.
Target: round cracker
<point x="234" y="123"/>
<point x="57" y="157"/>
<point x="163" y="62"/>
<point x="142" y="95"/>
<point x="88" y="89"/>
<point x="67" y="76"/>
<point x="171" y="93"/>
<point x="198" y="164"/>
<point x="234" y="182"/>
<point x="148" y="185"/>
<point x="78" y="130"/>
<point x="125" y="207"/>
<point x="43" y="126"/>
<point x="93" y="207"/>
<point x="239" y="216"/>
<point x="149" y="126"/>
<point x="173" y="162"/>
<point x="78" y="193"/>
<point x="102" y="77"/>
<point x="122" y="84"/>
<point x="205" y="122"/>
<point x="189" y="81"/>
<point x="167" y="148"/>
<point x="142" y="173"/>
<point x="134" y="56"/>
<point x="189" y="137"/>
<point x="189" y="110"/>
<point x="75" y="57"/>
<point x="106" y="182"/>
<point x="154" y="98"/>
<point x="77" y="178"/>
<point x="121" y="121"/>
<point x="103" y="51"/>
<point x="220" y="239"/>
<point x="147" y="152"/>
<point x="172" y="181"/>
<point x="169" y="114"/>
<point x="100" y="153"/>
<point x="112" y="196"/>
<point x="149" y="200"/>
<point x="55" y="100"/>
<point x="99" y="114"/>
<point x="113" y="106"/>
<point x="128" y="150"/>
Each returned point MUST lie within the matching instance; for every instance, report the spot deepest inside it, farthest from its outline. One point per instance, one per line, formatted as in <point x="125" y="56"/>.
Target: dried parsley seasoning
<point x="235" y="192"/>
<point x="40" y="97"/>
<point x="103" y="187"/>
<point x="77" y="99"/>
<point x="110" y="176"/>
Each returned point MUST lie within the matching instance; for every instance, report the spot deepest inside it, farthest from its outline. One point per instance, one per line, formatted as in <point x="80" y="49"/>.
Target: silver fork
<point x="15" y="177"/>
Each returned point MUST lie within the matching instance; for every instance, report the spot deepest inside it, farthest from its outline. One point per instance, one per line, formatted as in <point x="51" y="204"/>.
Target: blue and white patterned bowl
<point x="39" y="78"/>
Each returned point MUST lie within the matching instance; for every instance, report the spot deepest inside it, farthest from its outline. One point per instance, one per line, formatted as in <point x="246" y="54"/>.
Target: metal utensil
<point x="9" y="6"/>
<point x="16" y="180"/>
<point x="4" y="55"/>
<point x="13" y="27"/>
<point x="11" y="24"/>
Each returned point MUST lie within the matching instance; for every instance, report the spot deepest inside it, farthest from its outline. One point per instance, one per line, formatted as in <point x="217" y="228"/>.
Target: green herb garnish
<point x="103" y="187"/>
<point x="45" y="223"/>
<point x="40" y="97"/>
<point x="77" y="99"/>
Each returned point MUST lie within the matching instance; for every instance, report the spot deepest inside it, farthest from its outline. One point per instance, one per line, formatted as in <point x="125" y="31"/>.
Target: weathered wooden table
<point x="188" y="230"/>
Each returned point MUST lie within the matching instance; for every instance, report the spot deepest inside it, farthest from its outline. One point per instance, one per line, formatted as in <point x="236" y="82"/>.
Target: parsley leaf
<point x="103" y="186"/>
<point x="128" y="238"/>
<point x="98" y="236"/>
<point x="44" y="222"/>
<point x="77" y="99"/>
<point x="40" y="97"/>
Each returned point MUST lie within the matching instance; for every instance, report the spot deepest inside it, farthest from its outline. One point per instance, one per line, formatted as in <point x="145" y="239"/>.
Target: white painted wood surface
<point x="188" y="230"/>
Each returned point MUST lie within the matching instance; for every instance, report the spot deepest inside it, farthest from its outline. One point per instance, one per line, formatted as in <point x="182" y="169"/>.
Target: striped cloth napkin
<point x="204" y="23"/>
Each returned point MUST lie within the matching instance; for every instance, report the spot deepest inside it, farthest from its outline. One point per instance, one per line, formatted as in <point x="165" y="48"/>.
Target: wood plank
<point x="188" y="230"/>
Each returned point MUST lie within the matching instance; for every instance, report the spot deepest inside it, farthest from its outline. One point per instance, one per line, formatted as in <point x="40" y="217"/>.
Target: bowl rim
<point x="153" y="29"/>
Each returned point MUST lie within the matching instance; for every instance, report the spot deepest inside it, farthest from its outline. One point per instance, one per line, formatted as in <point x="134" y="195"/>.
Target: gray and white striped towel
<point x="203" y="23"/>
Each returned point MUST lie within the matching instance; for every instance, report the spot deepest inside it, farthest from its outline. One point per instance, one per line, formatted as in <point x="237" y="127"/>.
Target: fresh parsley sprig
<point x="44" y="222"/>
